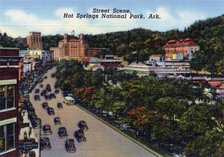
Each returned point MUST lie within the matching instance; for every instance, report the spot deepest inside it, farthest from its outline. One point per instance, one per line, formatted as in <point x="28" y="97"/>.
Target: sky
<point x="18" y="17"/>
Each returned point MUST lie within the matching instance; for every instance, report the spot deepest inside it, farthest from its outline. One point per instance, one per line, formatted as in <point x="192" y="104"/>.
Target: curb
<point x="122" y="133"/>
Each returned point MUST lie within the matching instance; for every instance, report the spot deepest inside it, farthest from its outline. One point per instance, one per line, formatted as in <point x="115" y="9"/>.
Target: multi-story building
<point x="9" y="95"/>
<point x="73" y="48"/>
<point x="180" y="49"/>
<point x="34" y="41"/>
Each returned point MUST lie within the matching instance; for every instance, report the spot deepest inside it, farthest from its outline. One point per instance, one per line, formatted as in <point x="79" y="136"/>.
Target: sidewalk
<point x="34" y="134"/>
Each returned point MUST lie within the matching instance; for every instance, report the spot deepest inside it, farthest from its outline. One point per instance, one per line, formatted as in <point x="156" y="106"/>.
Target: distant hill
<point x="210" y="36"/>
<point x="208" y="33"/>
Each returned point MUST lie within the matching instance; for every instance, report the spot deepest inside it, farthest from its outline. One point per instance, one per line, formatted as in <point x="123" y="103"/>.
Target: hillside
<point x="208" y="33"/>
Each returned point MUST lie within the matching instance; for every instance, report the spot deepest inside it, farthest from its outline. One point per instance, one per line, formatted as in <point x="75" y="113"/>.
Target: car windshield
<point x="62" y="130"/>
<point x="46" y="127"/>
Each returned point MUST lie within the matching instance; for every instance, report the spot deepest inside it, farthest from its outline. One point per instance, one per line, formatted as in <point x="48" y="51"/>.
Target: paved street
<point x="102" y="141"/>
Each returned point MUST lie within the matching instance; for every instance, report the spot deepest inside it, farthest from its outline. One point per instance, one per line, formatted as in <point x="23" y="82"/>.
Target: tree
<point x="86" y="94"/>
<point x="139" y="117"/>
<point x="211" y="144"/>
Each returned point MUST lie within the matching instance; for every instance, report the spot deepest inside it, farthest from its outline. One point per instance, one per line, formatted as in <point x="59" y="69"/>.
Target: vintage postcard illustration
<point x="100" y="78"/>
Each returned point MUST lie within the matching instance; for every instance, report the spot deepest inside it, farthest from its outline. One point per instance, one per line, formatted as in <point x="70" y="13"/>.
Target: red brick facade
<point x="9" y="70"/>
<point x="73" y="48"/>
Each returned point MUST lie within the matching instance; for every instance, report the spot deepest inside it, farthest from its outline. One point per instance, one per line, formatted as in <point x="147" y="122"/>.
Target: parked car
<point x="31" y="110"/>
<point x="56" y="91"/>
<point x="45" y="105"/>
<point x="59" y="105"/>
<point x="35" y="122"/>
<point x="70" y="145"/>
<point x="56" y="86"/>
<point x="47" y="129"/>
<point x="40" y="80"/>
<point x="50" y="111"/>
<point x="62" y="132"/>
<point x="32" y="116"/>
<point x="82" y="125"/>
<point x="57" y="121"/>
<point x="127" y="127"/>
<point x="41" y="85"/>
<point x="37" y="91"/>
<point x="80" y="136"/>
<point x="36" y="97"/>
<point x="45" y="143"/>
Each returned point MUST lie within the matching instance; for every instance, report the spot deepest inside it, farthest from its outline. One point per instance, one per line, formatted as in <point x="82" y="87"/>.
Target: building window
<point x="7" y="137"/>
<point x="7" y="97"/>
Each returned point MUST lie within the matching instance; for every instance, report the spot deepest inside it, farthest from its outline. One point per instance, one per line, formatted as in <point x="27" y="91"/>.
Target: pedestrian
<point x="23" y="111"/>
<point x="30" y="131"/>
<point x="25" y="136"/>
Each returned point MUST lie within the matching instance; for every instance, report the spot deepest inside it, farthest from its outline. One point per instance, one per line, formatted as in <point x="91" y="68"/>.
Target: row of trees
<point x="175" y="114"/>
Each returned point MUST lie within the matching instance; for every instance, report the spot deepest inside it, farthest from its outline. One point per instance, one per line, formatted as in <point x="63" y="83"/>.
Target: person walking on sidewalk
<point x="30" y="131"/>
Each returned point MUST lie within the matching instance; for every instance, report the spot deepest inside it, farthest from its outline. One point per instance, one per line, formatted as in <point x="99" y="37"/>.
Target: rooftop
<point x="8" y="48"/>
<point x="180" y="43"/>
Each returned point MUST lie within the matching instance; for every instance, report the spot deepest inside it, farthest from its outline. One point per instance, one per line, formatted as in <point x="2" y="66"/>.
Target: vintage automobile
<point x="45" y="143"/>
<point x="41" y="85"/>
<point x="59" y="105"/>
<point x="45" y="105"/>
<point x="62" y="132"/>
<point x="48" y="87"/>
<point x="82" y="125"/>
<point x="43" y="93"/>
<point x="47" y="129"/>
<point x="56" y="86"/>
<point x="50" y="111"/>
<point x="37" y="91"/>
<point x="56" y="91"/>
<point x="36" y="97"/>
<point x="70" y="145"/>
<point x="57" y="121"/>
<point x="52" y="95"/>
<point x="80" y="136"/>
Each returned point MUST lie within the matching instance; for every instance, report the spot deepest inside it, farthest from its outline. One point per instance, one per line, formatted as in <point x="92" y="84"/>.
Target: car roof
<point x="46" y="125"/>
<point x="45" y="139"/>
<point x="70" y="140"/>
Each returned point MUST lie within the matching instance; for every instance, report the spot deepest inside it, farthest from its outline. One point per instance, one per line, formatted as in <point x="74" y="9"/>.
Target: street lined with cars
<point x="70" y="123"/>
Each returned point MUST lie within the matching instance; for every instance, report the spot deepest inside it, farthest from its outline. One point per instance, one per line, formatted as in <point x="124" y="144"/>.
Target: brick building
<point x="73" y="48"/>
<point x="182" y="49"/>
<point x="34" y="41"/>
<point x="9" y="94"/>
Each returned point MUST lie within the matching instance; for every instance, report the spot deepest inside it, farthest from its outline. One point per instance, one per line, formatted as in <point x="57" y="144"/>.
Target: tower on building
<point x="34" y="41"/>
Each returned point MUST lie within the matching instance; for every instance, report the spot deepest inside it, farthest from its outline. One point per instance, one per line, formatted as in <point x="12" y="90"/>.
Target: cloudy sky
<point x="18" y="17"/>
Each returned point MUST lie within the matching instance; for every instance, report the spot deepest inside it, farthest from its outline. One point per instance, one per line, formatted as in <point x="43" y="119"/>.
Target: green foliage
<point x="51" y="41"/>
<point x="7" y="41"/>
<point x="166" y="109"/>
